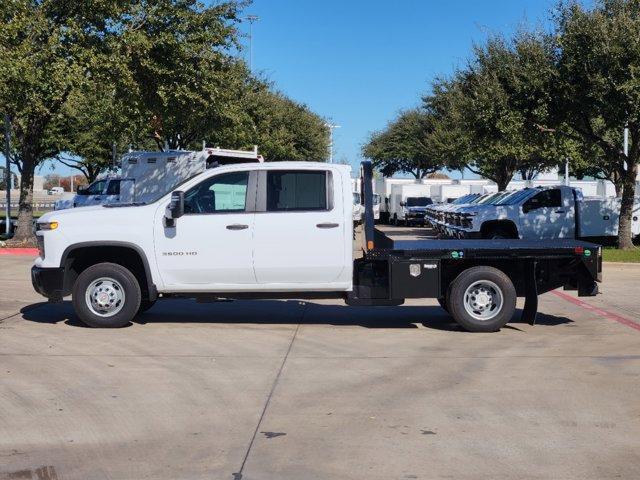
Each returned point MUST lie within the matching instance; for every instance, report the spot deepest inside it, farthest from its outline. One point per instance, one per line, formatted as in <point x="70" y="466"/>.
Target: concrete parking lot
<point x="316" y="390"/>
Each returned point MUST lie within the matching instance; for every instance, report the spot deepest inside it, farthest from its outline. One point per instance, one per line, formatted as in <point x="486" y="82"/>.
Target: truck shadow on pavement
<point x="270" y="312"/>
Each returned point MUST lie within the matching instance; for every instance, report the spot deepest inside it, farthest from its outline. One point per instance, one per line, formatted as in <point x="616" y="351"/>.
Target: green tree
<point x="176" y="70"/>
<point x="488" y="112"/>
<point x="282" y="128"/>
<point x="405" y="145"/>
<point x="599" y="91"/>
<point x="47" y="49"/>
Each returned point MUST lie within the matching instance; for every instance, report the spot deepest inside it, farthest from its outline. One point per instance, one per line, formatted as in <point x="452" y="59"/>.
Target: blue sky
<point x="359" y="62"/>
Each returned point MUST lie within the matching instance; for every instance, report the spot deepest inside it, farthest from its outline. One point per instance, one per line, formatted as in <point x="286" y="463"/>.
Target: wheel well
<point x="81" y="258"/>
<point x="506" y="225"/>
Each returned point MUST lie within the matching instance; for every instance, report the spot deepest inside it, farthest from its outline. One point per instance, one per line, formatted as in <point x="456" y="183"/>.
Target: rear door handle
<point x="237" y="226"/>
<point x="328" y="225"/>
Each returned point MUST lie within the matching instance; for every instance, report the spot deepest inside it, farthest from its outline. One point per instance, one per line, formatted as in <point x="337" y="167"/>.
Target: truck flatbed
<point x="477" y="248"/>
<point x="392" y="270"/>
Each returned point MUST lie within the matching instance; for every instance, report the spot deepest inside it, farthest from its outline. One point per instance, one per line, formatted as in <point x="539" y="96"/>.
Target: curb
<point x="33" y="252"/>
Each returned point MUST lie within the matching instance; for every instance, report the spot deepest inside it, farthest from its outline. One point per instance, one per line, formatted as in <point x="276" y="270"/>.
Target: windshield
<point x="463" y="199"/>
<point x="160" y="195"/>
<point x="376" y="199"/>
<point x="356" y="198"/>
<point x="418" y="201"/>
<point x="95" y="188"/>
<point x="515" y="197"/>
<point x="488" y="199"/>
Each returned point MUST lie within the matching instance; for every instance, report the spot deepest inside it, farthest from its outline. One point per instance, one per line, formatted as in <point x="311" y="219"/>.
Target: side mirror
<point x="403" y="204"/>
<point x="175" y="209"/>
<point x="81" y="191"/>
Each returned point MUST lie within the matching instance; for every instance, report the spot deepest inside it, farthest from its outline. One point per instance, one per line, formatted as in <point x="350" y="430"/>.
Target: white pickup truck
<point x="542" y="213"/>
<point x="284" y="230"/>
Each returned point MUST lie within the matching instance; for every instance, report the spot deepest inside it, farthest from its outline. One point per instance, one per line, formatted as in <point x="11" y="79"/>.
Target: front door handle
<point x="560" y="211"/>
<point x="237" y="226"/>
<point x="328" y="225"/>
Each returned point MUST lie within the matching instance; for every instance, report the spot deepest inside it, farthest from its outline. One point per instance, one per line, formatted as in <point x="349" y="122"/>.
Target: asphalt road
<point x="305" y="391"/>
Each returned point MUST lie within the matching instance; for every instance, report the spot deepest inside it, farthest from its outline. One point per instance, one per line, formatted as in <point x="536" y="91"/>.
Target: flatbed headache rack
<point x="392" y="270"/>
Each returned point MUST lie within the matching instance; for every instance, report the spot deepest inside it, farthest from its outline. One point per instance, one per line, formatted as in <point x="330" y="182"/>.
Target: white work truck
<point x="284" y="230"/>
<point x="541" y="213"/>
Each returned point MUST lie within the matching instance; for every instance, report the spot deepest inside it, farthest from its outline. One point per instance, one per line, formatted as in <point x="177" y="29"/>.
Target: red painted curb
<point x="32" y="252"/>
<point x="598" y="311"/>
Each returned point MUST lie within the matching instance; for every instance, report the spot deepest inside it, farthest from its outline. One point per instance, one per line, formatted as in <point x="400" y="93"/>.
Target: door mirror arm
<point x="175" y="209"/>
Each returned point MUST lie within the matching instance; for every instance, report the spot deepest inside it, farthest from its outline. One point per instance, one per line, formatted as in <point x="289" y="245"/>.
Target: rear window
<point x="296" y="190"/>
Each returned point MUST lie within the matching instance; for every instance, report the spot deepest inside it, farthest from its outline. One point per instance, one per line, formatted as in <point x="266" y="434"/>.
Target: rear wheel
<point x="106" y="295"/>
<point x="482" y="299"/>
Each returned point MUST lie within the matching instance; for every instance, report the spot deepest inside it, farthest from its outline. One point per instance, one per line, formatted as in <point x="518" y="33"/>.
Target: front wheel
<point x="482" y="299"/>
<point x="106" y="295"/>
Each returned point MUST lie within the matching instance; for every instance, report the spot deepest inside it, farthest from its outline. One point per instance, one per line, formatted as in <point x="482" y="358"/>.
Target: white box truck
<point x="408" y="203"/>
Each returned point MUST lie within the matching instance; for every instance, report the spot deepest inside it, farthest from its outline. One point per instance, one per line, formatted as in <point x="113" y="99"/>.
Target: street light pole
<point x="7" y="150"/>
<point x="251" y="19"/>
<point x="331" y="126"/>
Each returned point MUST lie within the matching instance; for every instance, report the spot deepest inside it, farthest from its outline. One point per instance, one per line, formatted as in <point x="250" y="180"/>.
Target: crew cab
<point x="284" y="230"/>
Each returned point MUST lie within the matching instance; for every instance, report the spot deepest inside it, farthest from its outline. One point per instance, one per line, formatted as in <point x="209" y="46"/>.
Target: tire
<point x="116" y="292"/>
<point x="482" y="299"/>
<point x="145" y="305"/>
<point x="395" y="220"/>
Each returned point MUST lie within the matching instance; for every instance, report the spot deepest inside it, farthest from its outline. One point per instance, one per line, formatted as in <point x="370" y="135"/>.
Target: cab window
<point x="297" y="190"/>
<point x="220" y="194"/>
<point x="545" y="199"/>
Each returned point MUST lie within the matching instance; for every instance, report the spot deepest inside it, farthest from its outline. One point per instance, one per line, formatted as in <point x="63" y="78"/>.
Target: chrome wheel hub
<point x="105" y="297"/>
<point x="483" y="300"/>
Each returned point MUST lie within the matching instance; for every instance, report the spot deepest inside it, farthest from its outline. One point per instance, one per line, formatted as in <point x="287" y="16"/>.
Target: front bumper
<point x="461" y="233"/>
<point x="415" y="218"/>
<point x="48" y="282"/>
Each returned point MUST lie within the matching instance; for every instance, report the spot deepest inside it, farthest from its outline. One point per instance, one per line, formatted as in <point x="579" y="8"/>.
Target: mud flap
<point x="530" y="311"/>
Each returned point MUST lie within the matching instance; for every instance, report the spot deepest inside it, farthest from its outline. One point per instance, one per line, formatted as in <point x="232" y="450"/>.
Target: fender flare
<point x="153" y="291"/>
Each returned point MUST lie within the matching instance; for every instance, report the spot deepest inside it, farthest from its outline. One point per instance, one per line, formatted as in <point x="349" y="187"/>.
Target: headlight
<point x="47" y="225"/>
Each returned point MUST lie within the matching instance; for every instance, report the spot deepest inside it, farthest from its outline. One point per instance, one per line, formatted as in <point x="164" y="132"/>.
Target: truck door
<point x="300" y="228"/>
<point x="547" y="215"/>
<point x="210" y="246"/>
